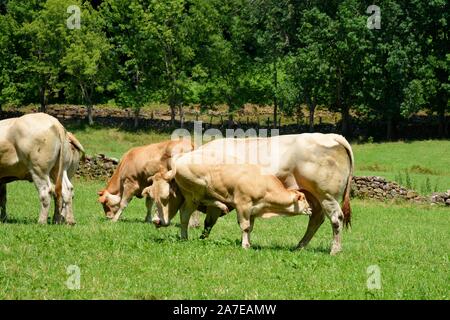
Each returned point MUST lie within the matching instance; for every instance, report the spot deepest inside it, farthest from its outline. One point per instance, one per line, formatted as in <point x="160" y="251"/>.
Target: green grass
<point x="421" y="159"/>
<point x="133" y="260"/>
<point x="114" y="142"/>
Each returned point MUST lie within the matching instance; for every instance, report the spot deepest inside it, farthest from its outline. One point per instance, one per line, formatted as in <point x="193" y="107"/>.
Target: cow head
<point x="110" y="203"/>
<point x="164" y="191"/>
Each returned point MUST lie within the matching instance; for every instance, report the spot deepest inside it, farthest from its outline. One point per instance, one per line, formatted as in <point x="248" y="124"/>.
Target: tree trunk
<point x="42" y="100"/>
<point x="443" y="131"/>
<point x="230" y="115"/>
<point x="312" y="109"/>
<point x="275" y="102"/>
<point x="90" y="117"/>
<point x="345" y="129"/>
<point x="299" y="116"/>
<point x="172" y="114"/>
<point x="136" y="117"/>
<point x="230" y="119"/>
<point x="180" y="110"/>
<point x="390" y="129"/>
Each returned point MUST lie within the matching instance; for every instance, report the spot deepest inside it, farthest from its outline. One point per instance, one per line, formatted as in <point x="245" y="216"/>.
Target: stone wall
<point x="98" y="167"/>
<point x="101" y="167"/>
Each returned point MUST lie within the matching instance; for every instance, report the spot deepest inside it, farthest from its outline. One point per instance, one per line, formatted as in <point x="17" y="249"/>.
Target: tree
<point x="85" y="59"/>
<point x="135" y="57"/>
<point x="309" y="67"/>
<point x="429" y="87"/>
<point x="43" y="40"/>
<point x="346" y="53"/>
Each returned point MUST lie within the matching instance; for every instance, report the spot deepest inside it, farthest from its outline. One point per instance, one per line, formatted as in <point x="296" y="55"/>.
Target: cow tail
<point x="62" y="152"/>
<point x="346" y="208"/>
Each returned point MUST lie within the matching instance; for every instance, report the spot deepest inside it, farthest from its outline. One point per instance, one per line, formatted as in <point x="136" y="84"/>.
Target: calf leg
<point x="333" y="211"/>
<point x="3" y="215"/>
<point x="246" y="223"/>
<point x="45" y="190"/>
<point x="149" y="204"/>
<point x="185" y="213"/>
<point x="212" y="214"/>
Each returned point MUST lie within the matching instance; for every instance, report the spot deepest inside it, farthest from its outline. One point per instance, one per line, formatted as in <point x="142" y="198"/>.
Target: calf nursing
<point x="242" y="187"/>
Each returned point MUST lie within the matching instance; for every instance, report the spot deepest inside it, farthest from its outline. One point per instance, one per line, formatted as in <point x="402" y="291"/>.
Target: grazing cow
<point x="131" y="176"/>
<point x="37" y="148"/>
<point x="320" y="165"/>
<point x="243" y="187"/>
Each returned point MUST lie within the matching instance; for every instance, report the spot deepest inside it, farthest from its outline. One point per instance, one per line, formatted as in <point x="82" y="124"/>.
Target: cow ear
<point x="102" y="199"/>
<point x="148" y="192"/>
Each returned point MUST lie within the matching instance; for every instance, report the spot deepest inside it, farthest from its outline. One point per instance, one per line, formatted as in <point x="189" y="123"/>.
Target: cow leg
<point x="315" y="221"/>
<point x="45" y="191"/>
<point x="212" y="214"/>
<point x="149" y="204"/>
<point x="333" y="211"/>
<point x="128" y="192"/>
<point x="3" y="215"/>
<point x="185" y="213"/>
<point x="67" y="200"/>
<point x="194" y="221"/>
<point x="246" y="223"/>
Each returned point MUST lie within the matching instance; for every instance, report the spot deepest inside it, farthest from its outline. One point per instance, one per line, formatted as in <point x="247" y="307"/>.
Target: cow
<point x="36" y="148"/>
<point x="131" y="176"/>
<point x="240" y="186"/>
<point x="320" y="165"/>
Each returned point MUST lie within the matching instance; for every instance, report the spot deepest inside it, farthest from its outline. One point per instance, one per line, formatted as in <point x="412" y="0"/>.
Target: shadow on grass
<point x="277" y="247"/>
<point x="26" y="221"/>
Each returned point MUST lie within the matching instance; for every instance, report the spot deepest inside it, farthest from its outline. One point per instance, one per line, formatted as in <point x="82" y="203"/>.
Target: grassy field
<point x="134" y="260"/>
<point x="410" y="244"/>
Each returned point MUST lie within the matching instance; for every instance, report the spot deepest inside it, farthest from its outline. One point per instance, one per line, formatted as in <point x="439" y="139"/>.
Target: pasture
<point x="410" y="244"/>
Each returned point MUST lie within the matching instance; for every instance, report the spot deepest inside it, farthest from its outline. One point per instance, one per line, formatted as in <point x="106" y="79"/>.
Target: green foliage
<point x="211" y="52"/>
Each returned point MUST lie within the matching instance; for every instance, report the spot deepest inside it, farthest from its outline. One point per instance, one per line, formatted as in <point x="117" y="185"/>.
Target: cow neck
<point x="113" y="186"/>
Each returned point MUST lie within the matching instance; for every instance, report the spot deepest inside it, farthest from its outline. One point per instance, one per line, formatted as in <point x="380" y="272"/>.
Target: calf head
<point x="110" y="203"/>
<point x="301" y="206"/>
<point x="168" y="199"/>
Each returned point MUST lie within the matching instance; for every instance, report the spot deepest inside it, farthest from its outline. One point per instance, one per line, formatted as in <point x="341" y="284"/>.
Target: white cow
<point x="37" y="148"/>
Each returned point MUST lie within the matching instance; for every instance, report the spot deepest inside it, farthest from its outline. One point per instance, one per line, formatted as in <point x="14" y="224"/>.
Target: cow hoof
<point x="335" y="250"/>
<point x="3" y="219"/>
